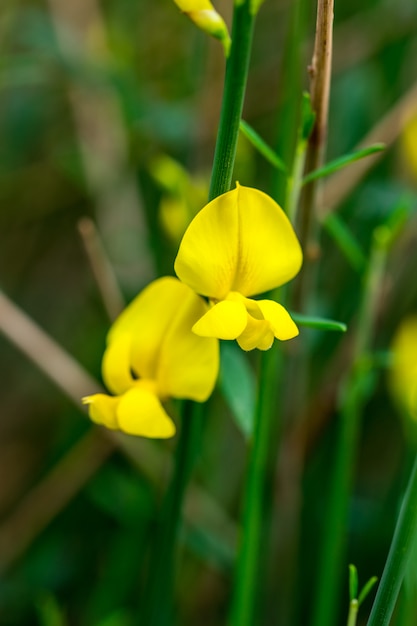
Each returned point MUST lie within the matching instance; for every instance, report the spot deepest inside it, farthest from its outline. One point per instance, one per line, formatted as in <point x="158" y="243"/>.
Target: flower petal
<point x="102" y="409"/>
<point x="204" y="15"/>
<point x="269" y="252"/>
<point x="147" y="319"/>
<point x="225" y="320"/>
<point x="257" y="334"/>
<point x="115" y="366"/>
<point x="241" y="241"/>
<point x="207" y="257"/>
<point x="188" y="364"/>
<point x="140" y="413"/>
<point x="280" y="320"/>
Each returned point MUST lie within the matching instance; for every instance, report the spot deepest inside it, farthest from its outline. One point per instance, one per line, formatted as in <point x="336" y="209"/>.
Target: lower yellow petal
<point x="139" y="412"/>
<point x="280" y="320"/>
<point x="102" y="409"/>
<point x="225" y="320"/>
<point x="257" y="334"/>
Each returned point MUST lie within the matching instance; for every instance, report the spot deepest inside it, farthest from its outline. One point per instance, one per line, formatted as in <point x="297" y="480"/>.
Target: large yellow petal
<point x="241" y="241"/>
<point x="102" y="409"/>
<point x="140" y="413"/>
<point x="207" y="257"/>
<point x="225" y="320"/>
<point x="116" y="363"/>
<point x="188" y="364"/>
<point x="147" y="320"/>
<point x="269" y="252"/>
<point x="280" y="320"/>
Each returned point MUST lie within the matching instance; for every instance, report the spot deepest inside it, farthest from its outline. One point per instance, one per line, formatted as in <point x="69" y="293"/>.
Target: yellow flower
<point x="152" y="355"/>
<point x="404" y="366"/>
<point x="205" y="16"/>
<point x="240" y="244"/>
<point x="409" y="145"/>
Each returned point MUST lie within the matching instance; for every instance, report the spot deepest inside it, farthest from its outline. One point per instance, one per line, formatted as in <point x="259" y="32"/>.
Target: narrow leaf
<point x="345" y="241"/>
<point x="237" y="383"/>
<point x="337" y="164"/>
<point x="261" y="146"/>
<point x="367" y="588"/>
<point x="318" y="322"/>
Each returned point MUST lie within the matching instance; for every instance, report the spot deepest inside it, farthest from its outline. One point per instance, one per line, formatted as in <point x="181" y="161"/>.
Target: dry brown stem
<point x="101" y="267"/>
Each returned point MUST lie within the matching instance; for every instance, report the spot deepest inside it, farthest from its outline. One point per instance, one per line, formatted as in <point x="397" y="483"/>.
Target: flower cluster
<point x="165" y="344"/>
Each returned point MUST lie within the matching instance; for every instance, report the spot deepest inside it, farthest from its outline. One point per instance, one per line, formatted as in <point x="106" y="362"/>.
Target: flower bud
<point x="205" y="16"/>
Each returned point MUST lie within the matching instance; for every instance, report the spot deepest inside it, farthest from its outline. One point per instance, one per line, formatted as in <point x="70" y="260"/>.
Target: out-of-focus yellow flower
<point x="240" y="244"/>
<point x="409" y="145"/>
<point x="152" y="355"/>
<point x="182" y="198"/>
<point x="205" y="16"/>
<point x="404" y="366"/>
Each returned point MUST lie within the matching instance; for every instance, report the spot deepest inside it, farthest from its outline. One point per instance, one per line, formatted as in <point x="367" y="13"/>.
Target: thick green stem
<point x="233" y="96"/>
<point x="257" y="496"/>
<point x="162" y="573"/>
<point x="162" y="570"/>
<point x="392" y="578"/>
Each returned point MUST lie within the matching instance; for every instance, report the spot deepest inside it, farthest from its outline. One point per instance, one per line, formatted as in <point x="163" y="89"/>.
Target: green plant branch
<point x="233" y="95"/>
<point x="162" y="572"/>
<point x="257" y="496"/>
<point x="162" y="575"/>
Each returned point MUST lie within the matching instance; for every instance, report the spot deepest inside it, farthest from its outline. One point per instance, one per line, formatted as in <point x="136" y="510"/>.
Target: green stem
<point x="162" y="574"/>
<point x="257" y="497"/>
<point x="234" y="92"/>
<point x="162" y="570"/>
<point x="353" y="399"/>
<point x="393" y="575"/>
<point x="294" y="182"/>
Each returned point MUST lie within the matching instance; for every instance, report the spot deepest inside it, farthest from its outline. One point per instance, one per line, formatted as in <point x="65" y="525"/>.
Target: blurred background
<point x="108" y="120"/>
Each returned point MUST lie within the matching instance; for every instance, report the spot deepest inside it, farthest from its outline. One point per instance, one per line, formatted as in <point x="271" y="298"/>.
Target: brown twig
<point x="47" y="354"/>
<point x="320" y="76"/>
<point x="101" y="267"/>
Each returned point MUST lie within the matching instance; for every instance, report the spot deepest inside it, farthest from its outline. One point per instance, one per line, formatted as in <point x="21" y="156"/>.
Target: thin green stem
<point x="393" y="575"/>
<point x="257" y="496"/>
<point x="354" y="396"/>
<point x="162" y="573"/>
<point x="232" y="105"/>
<point x="294" y="183"/>
<point x="353" y="613"/>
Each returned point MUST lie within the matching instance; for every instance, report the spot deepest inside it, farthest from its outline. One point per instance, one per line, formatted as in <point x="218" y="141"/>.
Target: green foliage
<point x="88" y="109"/>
